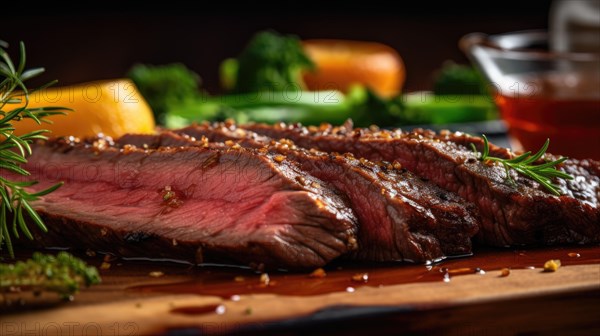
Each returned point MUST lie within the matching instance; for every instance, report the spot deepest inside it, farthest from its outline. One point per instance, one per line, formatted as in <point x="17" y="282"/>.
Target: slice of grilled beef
<point x="401" y="217"/>
<point x="191" y="203"/>
<point x="511" y="214"/>
<point x="584" y="187"/>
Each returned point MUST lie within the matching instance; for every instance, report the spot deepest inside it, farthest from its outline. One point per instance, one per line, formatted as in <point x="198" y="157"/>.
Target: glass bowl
<point x="541" y="94"/>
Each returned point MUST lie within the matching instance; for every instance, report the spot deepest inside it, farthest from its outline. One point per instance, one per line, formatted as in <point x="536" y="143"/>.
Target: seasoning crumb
<point x="318" y="273"/>
<point x="350" y="289"/>
<point x="264" y="279"/>
<point x="138" y="305"/>
<point x="504" y="272"/>
<point x="248" y="311"/>
<point x="204" y="141"/>
<point x="551" y="265"/>
<point x="105" y="265"/>
<point x="229" y="122"/>
<point x="128" y="149"/>
<point x="235" y="298"/>
<point x="319" y="203"/>
<point x="574" y="255"/>
<point x="174" y="242"/>
<point x="324" y="127"/>
<point x="239" y="279"/>
<point x="352" y="245"/>
<point x="301" y="180"/>
<point x="462" y="270"/>
<point x="168" y="195"/>
<point x="360" y="277"/>
<point x="279" y="158"/>
<point x="156" y="274"/>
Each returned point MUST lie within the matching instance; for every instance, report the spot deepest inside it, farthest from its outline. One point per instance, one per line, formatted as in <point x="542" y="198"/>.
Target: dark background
<point x="77" y="45"/>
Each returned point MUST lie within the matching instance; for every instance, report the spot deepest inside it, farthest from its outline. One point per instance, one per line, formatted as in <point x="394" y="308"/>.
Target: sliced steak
<point x="511" y="215"/>
<point x="401" y="217"/>
<point x="584" y="187"/>
<point x="206" y="204"/>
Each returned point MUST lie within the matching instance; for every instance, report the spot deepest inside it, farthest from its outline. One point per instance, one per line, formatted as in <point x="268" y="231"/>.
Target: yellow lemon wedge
<point x="111" y="107"/>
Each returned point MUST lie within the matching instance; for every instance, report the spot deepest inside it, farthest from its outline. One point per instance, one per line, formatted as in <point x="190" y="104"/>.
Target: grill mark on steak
<point x="401" y="218"/>
<point x="243" y="207"/>
<point x="525" y="214"/>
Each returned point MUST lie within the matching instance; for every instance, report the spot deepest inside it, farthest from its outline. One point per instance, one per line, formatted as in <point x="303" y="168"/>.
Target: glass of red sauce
<point x="541" y="94"/>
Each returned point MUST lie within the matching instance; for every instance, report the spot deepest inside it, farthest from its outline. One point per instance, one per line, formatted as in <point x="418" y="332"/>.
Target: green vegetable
<point x="227" y="73"/>
<point x="265" y="85"/>
<point x="426" y="108"/>
<point x="173" y="94"/>
<point x="525" y="164"/>
<point x="459" y="95"/>
<point x="14" y="97"/>
<point x="270" y="62"/>
<point x="306" y="107"/>
<point x="371" y="109"/>
<point x="455" y="79"/>
<point x="165" y="86"/>
<point x="269" y="107"/>
<point x="63" y="274"/>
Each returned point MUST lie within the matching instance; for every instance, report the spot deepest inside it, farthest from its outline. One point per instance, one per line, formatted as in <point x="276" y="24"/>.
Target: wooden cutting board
<point x="141" y="298"/>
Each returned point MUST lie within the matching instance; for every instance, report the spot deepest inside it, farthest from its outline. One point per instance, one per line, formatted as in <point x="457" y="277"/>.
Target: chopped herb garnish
<point x="63" y="274"/>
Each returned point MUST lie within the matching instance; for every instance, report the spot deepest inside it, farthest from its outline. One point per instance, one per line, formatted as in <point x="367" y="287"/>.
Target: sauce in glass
<point x="542" y="110"/>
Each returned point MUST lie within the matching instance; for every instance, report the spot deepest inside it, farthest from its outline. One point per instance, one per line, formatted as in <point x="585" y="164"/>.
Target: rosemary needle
<point x="14" y="98"/>
<point x="524" y="164"/>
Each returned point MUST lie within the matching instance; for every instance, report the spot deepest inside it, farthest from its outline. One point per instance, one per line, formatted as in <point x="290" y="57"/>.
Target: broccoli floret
<point x="456" y="79"/>
<point x="165" y="86"/>
<point x="271" y="62"/>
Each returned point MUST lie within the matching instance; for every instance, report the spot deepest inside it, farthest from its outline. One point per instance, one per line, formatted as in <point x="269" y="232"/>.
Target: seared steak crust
<point x="518" y="214"/>
<point x="401" y="217"/>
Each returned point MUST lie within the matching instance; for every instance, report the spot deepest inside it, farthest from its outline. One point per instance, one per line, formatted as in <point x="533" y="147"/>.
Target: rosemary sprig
<point x="524" y="165"/>
<point x="14" y="100"/>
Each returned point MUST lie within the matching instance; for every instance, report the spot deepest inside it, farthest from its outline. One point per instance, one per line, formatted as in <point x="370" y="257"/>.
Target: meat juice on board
<point x="229" y="282"/>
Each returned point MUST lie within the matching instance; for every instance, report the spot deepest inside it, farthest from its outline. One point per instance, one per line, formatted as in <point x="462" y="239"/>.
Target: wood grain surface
<point x="528" y="301"/>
